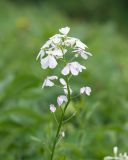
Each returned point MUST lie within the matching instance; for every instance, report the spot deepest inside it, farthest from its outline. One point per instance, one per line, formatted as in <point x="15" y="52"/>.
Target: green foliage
<point x="26" y="125"/>
<point x="88" y="10"/>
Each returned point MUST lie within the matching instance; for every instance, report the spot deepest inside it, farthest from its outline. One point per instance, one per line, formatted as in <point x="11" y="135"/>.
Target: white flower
<point x="56" y="53"/>
<point x="64" y="30"/>
<point x="41" y="54"/>
<point x="52" y="108"/>
<point x="86" y="90"/>
<point x="63" y="134"/>
<point x="56" y="38"/>
<point x="48" y="81"/>
<point x="63" y="82"/>
<point x="70" y="41"/>
<point x="73" y="67"/>
<point x="61" y="99"/>
<point x="83" y="53"/>
<point x="80" y="44"/>
<point x="49" y="61"/>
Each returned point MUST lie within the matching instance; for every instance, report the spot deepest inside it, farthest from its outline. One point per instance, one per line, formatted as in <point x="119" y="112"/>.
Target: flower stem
<point x="61" y="122"/>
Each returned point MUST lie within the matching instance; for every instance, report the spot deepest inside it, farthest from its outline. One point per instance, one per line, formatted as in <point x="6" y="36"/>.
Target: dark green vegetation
<point x="25" y="121"/>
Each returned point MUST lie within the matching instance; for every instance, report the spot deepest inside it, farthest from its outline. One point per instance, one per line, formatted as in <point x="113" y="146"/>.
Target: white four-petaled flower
<point x="49" y="61"/>
<point x="64" y="30"/>
<point x="56" y="38"/>
<point x="74" y="68"/>
<point x="86" y="90"/>
<point x="48" y="81"/>
<point x="61" y="99"/>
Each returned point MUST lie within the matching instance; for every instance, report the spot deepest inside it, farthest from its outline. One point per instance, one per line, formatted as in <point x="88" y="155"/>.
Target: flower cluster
<point x="117" y="156"/>
<point x="55" y="49"/>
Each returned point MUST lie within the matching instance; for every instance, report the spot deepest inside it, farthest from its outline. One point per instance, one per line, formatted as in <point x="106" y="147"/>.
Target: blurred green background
<point x="102" y="119"/>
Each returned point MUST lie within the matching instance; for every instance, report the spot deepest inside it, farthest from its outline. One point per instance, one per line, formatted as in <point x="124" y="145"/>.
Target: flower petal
<point x="82" y="67"/>
<point x="64" y="98"/>
<point x="84" y="56"/>
<point x="52" y="108"/>
<point x="74" y="70"/>
<point x="62" y="81"/>
<point x="88" y="53"/>
<point x="53" y="77"/>
<point x="57" y="52"/>
<point x="45" y="62"/>
<point x="80" y="44"/>
<point x="64" y="30"/>
<point x="59" y="100"/>
<point x="86" y="90"/>
<point x="47" y="83"/>
<point x="52" y="62"/>
<point x="41" y="54"/>
<point x="82" y="90"/>
<point x="63" y="134"/>
<point x="65" y="70"/>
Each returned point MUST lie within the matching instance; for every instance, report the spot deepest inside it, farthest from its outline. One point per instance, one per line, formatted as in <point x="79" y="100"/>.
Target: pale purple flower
<point x="52" y="108"/>
<point x="64" y="30"/>
<point x="74" y="68"/>
<point x="86" y="90"/>
<point x="48" y="62"/>
<point x="48" y="81"/>
<point x="61" y="99"/>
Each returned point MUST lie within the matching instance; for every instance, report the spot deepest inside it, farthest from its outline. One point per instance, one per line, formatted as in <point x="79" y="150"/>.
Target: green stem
<point x="61" y="122"/>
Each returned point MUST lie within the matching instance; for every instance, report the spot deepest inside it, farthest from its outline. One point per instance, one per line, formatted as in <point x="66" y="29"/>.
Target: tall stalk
<point x="68" y="50"/>
<point x="60" y="122"/>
